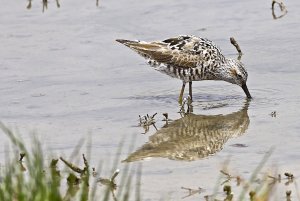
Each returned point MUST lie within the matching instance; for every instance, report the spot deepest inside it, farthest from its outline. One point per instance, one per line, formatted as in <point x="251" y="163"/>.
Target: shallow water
<point x="63" y="76"/>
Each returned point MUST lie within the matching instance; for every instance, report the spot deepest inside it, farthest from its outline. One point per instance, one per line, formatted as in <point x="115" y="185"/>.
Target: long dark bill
<point x="245" y="88"/>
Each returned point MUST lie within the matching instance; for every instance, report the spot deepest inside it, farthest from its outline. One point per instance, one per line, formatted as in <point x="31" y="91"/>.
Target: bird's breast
<point x="201" y="72"/>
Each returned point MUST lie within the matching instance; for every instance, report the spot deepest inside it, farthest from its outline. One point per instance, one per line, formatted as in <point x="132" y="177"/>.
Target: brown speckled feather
<point x="169" y="51"/>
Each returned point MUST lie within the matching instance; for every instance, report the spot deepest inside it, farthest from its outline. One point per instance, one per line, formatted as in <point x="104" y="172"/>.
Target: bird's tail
<point x="128" y="43"/>
<point x="139" y="46"/>
<point x="145" y="49"/>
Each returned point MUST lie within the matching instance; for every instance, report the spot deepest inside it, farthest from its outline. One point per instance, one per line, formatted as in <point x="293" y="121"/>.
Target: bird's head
<point x="233" y="71"/>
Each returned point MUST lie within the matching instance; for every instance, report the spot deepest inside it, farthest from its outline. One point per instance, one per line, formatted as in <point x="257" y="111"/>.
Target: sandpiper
<point x="190" y="58"/>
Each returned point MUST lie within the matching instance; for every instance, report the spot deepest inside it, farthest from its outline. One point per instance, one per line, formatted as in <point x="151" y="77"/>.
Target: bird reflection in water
<point x="193" y="137"/>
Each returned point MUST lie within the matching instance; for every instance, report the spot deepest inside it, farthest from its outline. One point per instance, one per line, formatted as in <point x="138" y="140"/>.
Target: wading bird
<point x="190" y="58"/>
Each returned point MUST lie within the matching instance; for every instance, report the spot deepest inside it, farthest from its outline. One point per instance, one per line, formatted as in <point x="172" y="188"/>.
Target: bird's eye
<point x="239" y="76"/>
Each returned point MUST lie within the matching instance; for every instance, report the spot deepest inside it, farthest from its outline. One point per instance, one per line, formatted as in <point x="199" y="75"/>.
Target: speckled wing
<point x="181" y="51"/>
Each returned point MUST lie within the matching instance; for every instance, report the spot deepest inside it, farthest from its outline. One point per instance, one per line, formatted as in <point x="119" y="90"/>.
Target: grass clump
<point x="26" y="177"/>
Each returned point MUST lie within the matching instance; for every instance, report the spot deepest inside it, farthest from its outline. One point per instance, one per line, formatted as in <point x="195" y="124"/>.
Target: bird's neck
<point x="223" y="71"/>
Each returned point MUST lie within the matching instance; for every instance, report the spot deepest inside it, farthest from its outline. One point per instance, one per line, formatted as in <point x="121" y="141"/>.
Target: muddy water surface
<point x="63" y="76"/>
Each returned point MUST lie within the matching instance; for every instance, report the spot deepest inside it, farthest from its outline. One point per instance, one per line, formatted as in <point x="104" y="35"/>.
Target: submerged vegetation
<point x="282" y="7"/>
<point x="261" y="186"/>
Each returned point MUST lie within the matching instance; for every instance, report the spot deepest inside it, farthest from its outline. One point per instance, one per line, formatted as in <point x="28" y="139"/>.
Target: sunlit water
<point x="63" y="76"/>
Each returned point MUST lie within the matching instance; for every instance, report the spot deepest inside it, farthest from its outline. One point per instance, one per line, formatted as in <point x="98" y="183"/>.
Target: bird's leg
<point x="190" y="90"/>
<point x="181" y="93"/>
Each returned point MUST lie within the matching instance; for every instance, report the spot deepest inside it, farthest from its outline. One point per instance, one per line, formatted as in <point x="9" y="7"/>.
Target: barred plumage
<point x="190" y="58"/>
